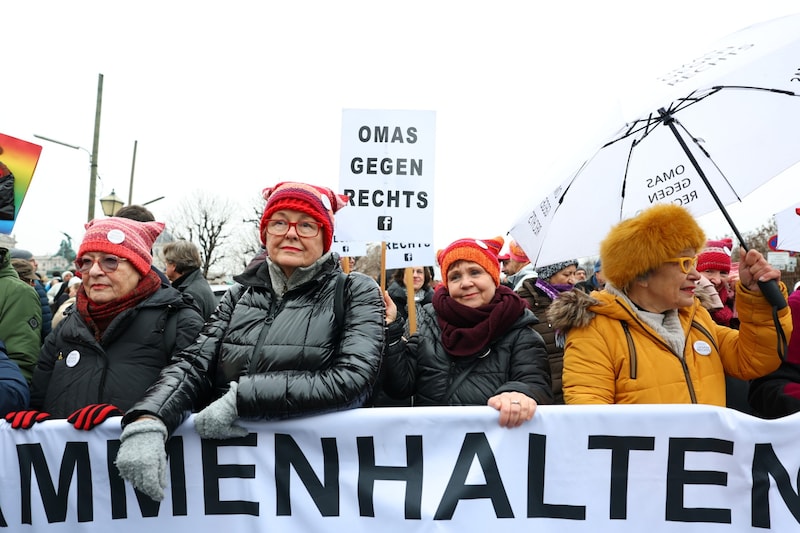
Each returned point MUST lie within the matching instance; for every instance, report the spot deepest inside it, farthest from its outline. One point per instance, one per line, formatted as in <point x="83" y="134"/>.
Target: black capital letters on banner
<point x="620" y="463"/>
<point x="74" y="461"/>
<point x="474" y="445"/>
<point x="369" y="472"/>
<point x="213" y="472"/>
<point x="766" y="464"/>
<point x="537" y="447"/>
<point x="678" y="477"/>
<point x="325" y="496"/>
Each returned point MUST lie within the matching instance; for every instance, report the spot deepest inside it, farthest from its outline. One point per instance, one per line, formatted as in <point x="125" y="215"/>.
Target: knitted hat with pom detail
<point x="320" y="203"/>
<point x="716" y="256"/>
<point x="124" y="238"/>
<point x="484" y="252"/>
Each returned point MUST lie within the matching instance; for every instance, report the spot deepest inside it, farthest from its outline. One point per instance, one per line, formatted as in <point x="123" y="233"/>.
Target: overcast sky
<point x="232" y="97"/>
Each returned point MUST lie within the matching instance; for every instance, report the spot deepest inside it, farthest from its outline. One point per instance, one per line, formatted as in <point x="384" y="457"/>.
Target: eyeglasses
<point x="304" y="228"/>
<point x="108" y="263"/>
<point x="686" y="263"/>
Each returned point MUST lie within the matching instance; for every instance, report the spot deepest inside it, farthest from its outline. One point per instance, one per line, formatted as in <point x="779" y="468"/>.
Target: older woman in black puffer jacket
<point x="294" y="337"/>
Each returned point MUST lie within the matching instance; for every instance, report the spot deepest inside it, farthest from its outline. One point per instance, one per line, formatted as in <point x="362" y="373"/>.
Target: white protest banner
<point x="387" y="170"/>
<point x="625" y="468"/>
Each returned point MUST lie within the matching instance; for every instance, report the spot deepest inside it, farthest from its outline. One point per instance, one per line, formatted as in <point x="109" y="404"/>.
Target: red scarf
<point x="468" y="331"/>
<point x="99" y="316"/>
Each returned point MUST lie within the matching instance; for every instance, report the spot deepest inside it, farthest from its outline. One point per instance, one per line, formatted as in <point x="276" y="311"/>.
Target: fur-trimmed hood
<point x="571" y="310"/>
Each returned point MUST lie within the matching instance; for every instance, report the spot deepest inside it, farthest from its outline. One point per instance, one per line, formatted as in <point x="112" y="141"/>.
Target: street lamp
<point x="111" y="204"/>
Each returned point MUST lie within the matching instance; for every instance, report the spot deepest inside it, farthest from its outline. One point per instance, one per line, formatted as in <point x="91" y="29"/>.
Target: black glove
<point x="92" y="415"/>
<point x="25" y="419"/>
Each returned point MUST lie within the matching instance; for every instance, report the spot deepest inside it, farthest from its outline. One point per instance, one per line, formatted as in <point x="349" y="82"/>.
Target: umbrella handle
<point x="773" y="294"/>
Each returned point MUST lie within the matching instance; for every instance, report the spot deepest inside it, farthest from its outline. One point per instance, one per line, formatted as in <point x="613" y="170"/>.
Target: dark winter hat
<point x="19" y="253"/>
<point x="598" y="266"/>
<point x="548" y="271"/>
<point x="716" y="256"/>
<point x="641" y="243"/>
<point x="484" y="252"/>
<point x="317" y="202"/>
<point x="122" y="237"/>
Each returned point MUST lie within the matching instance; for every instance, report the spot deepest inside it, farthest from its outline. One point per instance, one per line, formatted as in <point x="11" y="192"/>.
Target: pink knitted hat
<point x="124" y="238"/>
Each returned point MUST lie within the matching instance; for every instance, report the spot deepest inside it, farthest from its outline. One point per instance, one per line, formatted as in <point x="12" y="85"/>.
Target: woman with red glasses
<point x="647" y="338"/>
<point x="293" y="337"/>
<point x="124" y="328"/>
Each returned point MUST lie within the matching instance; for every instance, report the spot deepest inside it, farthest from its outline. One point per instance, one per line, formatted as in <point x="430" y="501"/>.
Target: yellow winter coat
<point x="605" y="365"/>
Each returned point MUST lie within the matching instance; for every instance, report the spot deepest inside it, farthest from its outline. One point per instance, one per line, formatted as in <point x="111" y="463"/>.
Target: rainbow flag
<point x="18" y="161"/>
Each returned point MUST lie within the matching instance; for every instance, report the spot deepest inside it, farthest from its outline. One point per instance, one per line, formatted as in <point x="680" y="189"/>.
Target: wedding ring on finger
<point x="515" y="402"/>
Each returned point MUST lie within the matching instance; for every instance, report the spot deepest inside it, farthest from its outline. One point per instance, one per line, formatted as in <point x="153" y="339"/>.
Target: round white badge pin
<point x="115" y="236"/>
<point x="72" y="358"/>
<point x="702" y="347"/>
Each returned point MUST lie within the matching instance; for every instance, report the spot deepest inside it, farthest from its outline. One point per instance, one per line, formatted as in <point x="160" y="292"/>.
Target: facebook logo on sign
<point x="385" y="223"/>
<point x="408" y="257"/>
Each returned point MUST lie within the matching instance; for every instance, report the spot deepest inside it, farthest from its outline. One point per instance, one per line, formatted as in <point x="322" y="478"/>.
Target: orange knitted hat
<point x="484" y="252"/>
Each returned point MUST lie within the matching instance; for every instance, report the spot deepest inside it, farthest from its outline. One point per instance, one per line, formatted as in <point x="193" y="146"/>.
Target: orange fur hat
<point x="639" y="244"/>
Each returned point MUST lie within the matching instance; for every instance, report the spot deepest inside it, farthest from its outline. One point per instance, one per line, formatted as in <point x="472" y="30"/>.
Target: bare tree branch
<point x="206" y="220"/>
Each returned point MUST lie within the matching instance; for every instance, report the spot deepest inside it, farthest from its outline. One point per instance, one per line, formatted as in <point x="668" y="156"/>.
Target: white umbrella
<point x="715" y="129"/>
<point x="788" y="222"/>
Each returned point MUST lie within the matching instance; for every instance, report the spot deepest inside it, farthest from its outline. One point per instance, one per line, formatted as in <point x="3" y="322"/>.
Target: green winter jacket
<point x="20" y="317"/>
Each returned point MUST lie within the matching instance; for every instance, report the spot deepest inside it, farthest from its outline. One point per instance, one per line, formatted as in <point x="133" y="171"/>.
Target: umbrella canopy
<point x="788" y="222"/>
<point x="709" y="133"/>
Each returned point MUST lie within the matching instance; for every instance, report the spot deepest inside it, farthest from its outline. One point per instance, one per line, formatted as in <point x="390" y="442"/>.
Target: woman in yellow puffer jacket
<point x="646" y="338"/>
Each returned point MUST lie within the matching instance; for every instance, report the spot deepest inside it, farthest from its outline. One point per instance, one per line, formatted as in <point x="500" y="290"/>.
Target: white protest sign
<point x="349" y="248"/>
<point x="409" y="254"/>
<point x="387" y="167"/>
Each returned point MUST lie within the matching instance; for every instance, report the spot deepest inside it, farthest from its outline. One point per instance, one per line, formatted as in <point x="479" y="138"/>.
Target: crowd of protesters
<point x="663" y="316"/>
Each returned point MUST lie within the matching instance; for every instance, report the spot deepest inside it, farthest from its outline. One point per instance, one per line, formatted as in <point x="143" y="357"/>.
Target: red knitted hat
<point x="122" y="237"/>
<point x="516" y="253"/>
<point x="317" y="202"/>
<point x="484" y="252"/>
<point x="715" y="256"/>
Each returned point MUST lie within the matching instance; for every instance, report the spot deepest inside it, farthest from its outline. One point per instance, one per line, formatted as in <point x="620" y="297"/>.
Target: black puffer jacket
<point x="287" y="354"/>
<point x="74" y="370"/>
<point x="420" y="367"/>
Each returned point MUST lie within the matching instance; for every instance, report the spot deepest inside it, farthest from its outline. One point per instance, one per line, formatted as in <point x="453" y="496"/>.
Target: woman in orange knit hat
<point x="473" y="344"/>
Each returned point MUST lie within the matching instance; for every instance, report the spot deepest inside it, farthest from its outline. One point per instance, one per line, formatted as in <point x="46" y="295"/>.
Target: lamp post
<point x="95" y="148"/>
<point x="111" y="204"/>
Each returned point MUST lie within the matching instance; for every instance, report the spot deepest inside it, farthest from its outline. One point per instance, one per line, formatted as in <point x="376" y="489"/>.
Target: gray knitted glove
<point x="142" y="457"/>
<point x="218" y="420"/>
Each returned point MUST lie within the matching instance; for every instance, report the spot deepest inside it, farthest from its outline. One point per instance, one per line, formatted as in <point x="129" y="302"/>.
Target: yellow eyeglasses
<point x="686" y="263"/>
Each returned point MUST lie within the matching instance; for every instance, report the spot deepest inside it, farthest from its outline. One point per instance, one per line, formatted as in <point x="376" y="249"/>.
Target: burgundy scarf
<point x="99" y="316"/>
<point x="724" y="315"/>
<point x="467" y="331"/>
